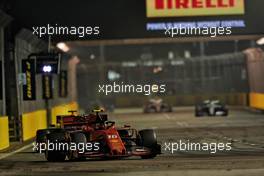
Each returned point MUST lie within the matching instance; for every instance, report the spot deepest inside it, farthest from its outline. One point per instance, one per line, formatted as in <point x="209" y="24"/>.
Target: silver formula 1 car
<point x="211" y="108"/>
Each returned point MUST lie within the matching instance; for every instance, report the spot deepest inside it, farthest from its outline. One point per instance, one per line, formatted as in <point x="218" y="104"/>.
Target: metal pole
<point x="252" y="43"/>
<point x="201" y="48"/>
<point x="202" y="54"/>
<point x="102" y="63"/>
<point x="19" y="89"/>
<point x="235" y="47"/>
<point x="3" y="71"/>
<point x="47" y="105"/>
<point x="49" y="44"/>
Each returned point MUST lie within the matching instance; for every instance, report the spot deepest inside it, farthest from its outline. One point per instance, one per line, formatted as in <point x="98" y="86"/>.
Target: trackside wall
<point x="4" y="133"/>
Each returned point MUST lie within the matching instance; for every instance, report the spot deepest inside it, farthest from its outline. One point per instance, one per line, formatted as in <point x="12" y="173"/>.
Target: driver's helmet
<point x="206" y="101"/>
<point x="215" y="102"/>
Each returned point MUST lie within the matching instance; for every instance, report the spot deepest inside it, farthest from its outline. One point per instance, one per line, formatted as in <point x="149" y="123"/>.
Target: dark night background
<point x="116" y="18"/>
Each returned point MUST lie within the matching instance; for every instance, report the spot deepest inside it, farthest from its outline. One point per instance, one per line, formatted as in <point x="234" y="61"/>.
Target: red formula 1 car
<point x="101" y="138"/>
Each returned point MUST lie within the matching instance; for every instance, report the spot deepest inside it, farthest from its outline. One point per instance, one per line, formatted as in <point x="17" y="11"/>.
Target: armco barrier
<point x="256" y="100"/>
<point x="4" y="133"/>
<point x="33" y="121"/>
<point x="62" y="110"/>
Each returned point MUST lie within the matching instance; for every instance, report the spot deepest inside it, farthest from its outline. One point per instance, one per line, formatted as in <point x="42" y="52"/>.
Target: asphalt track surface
<point x="244" y="129"/>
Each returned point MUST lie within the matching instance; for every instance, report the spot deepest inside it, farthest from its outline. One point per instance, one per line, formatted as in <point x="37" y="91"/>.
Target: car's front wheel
<point x="147" y="138"/>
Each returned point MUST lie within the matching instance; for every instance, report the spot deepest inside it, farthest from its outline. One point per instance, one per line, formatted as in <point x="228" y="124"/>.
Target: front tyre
<point x="77" y="138"/>
<point x="147" y="138"/>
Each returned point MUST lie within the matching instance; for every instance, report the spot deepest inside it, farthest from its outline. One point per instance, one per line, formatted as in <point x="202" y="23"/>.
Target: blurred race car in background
<point x="211" y="108"/>
<point x="156" y="105"/>
<point x="105" y="139"/>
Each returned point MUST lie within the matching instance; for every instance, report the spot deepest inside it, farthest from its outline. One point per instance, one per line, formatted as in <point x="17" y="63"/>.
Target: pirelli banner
<point x="63" y="83"/>
<point x="29" y="83"/>
<point x="47" y="87"/>
<point x="181" y="8"/>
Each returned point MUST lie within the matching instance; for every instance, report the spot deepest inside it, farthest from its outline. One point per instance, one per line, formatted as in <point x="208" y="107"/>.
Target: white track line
<point x="5" y="155"/>
<point x="167" y="116"/>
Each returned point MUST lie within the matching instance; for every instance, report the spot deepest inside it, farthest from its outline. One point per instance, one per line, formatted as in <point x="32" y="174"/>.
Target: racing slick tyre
<point x="41" y="134"/>
<point x="55" y="154"/>
<point x="166" y="108"/>
<point x="147" y="138"/>
<point x="77" y="138"/>
<point x="150" y="110"/>
<point x="198" y="113"/>
<point x="41" y="137"/>
<point x="225" y="113"/>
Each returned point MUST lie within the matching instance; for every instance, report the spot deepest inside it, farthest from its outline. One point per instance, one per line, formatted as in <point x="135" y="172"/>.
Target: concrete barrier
<point x="33" y="121"/>
<point x="4" y="133"/>
<point x="256" y="100"/>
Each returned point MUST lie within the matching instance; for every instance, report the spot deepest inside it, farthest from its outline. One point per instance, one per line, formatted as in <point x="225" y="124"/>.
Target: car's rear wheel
<point x="225" y="113"/>
<point x="150" y="109"/>
<point x="198" y="112"/>
<point x="55" y="154"/>
<point x="77" y="138"/>
<point x="166" y="108"/>
<point x="41" y="134"/>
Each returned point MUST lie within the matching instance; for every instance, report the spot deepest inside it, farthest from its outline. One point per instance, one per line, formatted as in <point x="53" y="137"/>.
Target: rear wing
<point x="67" y="120"/>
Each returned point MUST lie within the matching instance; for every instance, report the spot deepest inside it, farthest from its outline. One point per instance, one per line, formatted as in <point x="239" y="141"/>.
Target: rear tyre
<point x="147" y="138"/>
<point x="77" y="138"/>
<point x="198" y="113"/>
<point x="41" y="134"/>
<point x="150" y="110"/>
<point x="166" y="108"/>
<point x="56" y="155"/>
<point x="41" y="137"/>
<point x="225" y="113"/>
